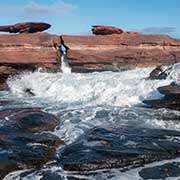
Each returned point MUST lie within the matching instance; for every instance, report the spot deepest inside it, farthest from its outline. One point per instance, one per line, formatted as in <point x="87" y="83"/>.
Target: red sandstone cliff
<point x="120" y="51"/>
<point x="86" y="53"/>
<point x="28" y="52"/>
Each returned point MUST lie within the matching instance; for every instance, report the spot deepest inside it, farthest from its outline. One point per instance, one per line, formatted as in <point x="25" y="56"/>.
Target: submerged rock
<point x="120" y="147"/>
<point x="161" y="172"/>
<point x="106" y="30"/>
<point x="23" y="142"/>
<point x="34" y="121"/>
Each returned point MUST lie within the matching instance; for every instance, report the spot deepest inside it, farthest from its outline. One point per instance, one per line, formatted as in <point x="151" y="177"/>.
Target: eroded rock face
<point x="120" y="147"/>
<point x="120" y="51"/>
<point x="23" y="140"/>
<point x="106" y="30"/>
<point x="26" y="27"/>
<point x="28" y="52"/>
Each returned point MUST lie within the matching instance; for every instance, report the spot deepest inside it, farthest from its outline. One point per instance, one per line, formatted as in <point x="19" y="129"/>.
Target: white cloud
<point x="58" y="7"/>
<point x="158" y="30"/>
<point x="32" y="8"/>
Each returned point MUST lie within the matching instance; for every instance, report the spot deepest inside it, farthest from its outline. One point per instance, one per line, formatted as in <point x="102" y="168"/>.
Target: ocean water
<point x="83" y="101"/>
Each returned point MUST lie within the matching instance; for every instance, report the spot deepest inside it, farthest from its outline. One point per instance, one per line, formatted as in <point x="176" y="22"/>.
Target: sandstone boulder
<point x="26" y="27"/>
<point x="106" y="30"/>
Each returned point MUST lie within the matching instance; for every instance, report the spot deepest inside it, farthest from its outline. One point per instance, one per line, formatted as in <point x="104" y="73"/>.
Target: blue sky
<point x="77" y="16"/>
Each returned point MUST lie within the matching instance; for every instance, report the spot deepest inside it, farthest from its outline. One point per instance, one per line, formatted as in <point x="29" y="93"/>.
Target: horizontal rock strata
<point x="120" y="51"/>
<point x="28" y="52"/>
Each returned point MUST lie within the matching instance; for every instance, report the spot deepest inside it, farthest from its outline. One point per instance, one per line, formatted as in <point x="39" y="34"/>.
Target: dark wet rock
<point x="33" y="120"/>
<point x="23" y="144"/>
<point x="3" y="84"/>
<point x="18" y="154"/>
<point x="171" y="99"/>
<point x="5" y="113"/>
<point x="116" y="52"/>
<point x="165" y="102"/>
<point x="171" y="90"/>
<point x="161" y="172"/>
<point x="102" y="114"/>
<point x="160" y="72"/>
<point x="5" y="102"/>
<point x="48" y="175"/>
<point x="29" y="92"/>
<point x="120" y="147"/>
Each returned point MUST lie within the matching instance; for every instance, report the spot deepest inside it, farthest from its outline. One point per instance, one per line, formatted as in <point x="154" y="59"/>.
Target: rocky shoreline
<point x="26" y="138"/>
<point x="110" y="49"/>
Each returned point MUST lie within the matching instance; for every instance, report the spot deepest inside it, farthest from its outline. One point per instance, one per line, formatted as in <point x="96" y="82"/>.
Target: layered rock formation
<point x="120" y="51"/>
<point x="120" y="147"/>
<point x="113" y="52"/>
<point x="28" y="52"/>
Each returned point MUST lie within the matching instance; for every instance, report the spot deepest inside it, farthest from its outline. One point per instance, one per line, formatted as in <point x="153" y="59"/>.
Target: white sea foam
<point x="96" y="99"/>
<point x="123" y="89"/>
